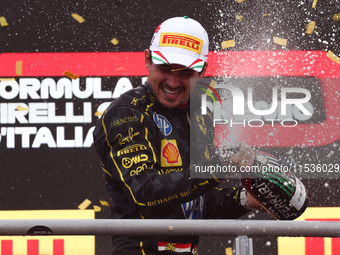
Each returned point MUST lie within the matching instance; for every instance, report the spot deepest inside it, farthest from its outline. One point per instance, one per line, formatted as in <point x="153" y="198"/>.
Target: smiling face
<point x="170" y="83"/>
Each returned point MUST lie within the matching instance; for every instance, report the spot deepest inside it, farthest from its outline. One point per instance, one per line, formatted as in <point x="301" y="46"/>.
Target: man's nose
<point x="174" y="79"/>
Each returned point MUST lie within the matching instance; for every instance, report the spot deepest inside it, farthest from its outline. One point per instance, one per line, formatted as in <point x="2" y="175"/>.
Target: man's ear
<point x="202" y="73"/>
<point x="147" y="59"/>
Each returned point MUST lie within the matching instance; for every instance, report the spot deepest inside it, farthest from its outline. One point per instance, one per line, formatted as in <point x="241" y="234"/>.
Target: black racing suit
<point x="145" y="153"/>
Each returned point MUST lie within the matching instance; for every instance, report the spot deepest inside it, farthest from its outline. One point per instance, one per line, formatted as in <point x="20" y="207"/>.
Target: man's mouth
<point x="176" y="91"/>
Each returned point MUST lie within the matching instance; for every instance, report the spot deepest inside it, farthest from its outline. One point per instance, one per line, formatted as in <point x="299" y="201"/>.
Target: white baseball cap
<point x="182" y="41"/>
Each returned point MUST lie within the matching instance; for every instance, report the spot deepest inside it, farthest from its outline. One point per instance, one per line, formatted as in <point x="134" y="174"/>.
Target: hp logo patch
<point x="163" y="124"/>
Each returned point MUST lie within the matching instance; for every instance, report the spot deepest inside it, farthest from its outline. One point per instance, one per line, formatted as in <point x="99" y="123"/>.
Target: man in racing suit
<point x="143" y="140"/>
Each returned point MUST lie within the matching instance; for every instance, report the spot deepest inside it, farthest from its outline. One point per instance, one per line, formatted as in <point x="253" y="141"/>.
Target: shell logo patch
<point x="170" y="155"/>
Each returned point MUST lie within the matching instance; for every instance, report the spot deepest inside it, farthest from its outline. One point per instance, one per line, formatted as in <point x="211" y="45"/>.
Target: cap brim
<point x="162" y="57"/>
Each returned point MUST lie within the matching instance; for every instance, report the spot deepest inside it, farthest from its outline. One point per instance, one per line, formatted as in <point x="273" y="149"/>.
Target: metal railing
<point x="170" y="227"/>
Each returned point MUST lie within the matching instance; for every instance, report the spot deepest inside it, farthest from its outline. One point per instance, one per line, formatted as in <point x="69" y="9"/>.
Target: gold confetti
<point x="240" y="1"/>
<point x="310" y="27"/>
<point x="229" y="251"/>
<point x="71" y="75"/>
<point x="98" y="114"/>
<point x="227" y="44"/>
<point x="239" y="18"/>
<point x="3" y="21"/>
<point x="314" y="3"/>
<point x="267" y="14"/>
<point x="84" y="204"/>
<point x="333" y="57"/>
<point x="104" y="203"/>
<point x="7" y="79"/>
<point x="20" y="108"/>
<point x="280" y="41"/>
<point x="336" y="17"/>
<point x="78" y="18"/>
<point x="97" y="208"/>
<point x="18" y="68"/>
<point x="212" y="84"/>
<point x="114" y="41"/>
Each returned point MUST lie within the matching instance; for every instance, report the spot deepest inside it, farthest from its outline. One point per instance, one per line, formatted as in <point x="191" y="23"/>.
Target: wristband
<point x="243" y="199"/>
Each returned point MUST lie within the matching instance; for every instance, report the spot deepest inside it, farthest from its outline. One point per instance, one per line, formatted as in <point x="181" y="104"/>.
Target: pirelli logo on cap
<point x="181" y="41"/>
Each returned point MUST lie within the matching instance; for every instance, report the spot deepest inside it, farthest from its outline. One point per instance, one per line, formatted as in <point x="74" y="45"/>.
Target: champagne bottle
<point x="280" y="192"/>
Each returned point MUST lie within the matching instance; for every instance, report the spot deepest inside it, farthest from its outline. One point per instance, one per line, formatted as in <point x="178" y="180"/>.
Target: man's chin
<point x="170" y="104"/>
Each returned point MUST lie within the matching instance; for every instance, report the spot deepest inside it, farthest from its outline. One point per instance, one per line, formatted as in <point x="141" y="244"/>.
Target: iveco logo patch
<point x="163" y="124"/>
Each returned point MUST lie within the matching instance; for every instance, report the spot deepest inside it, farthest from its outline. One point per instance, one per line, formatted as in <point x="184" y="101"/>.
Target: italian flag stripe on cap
<point x="159" y="58"/>
<point x="197" y="64"/>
